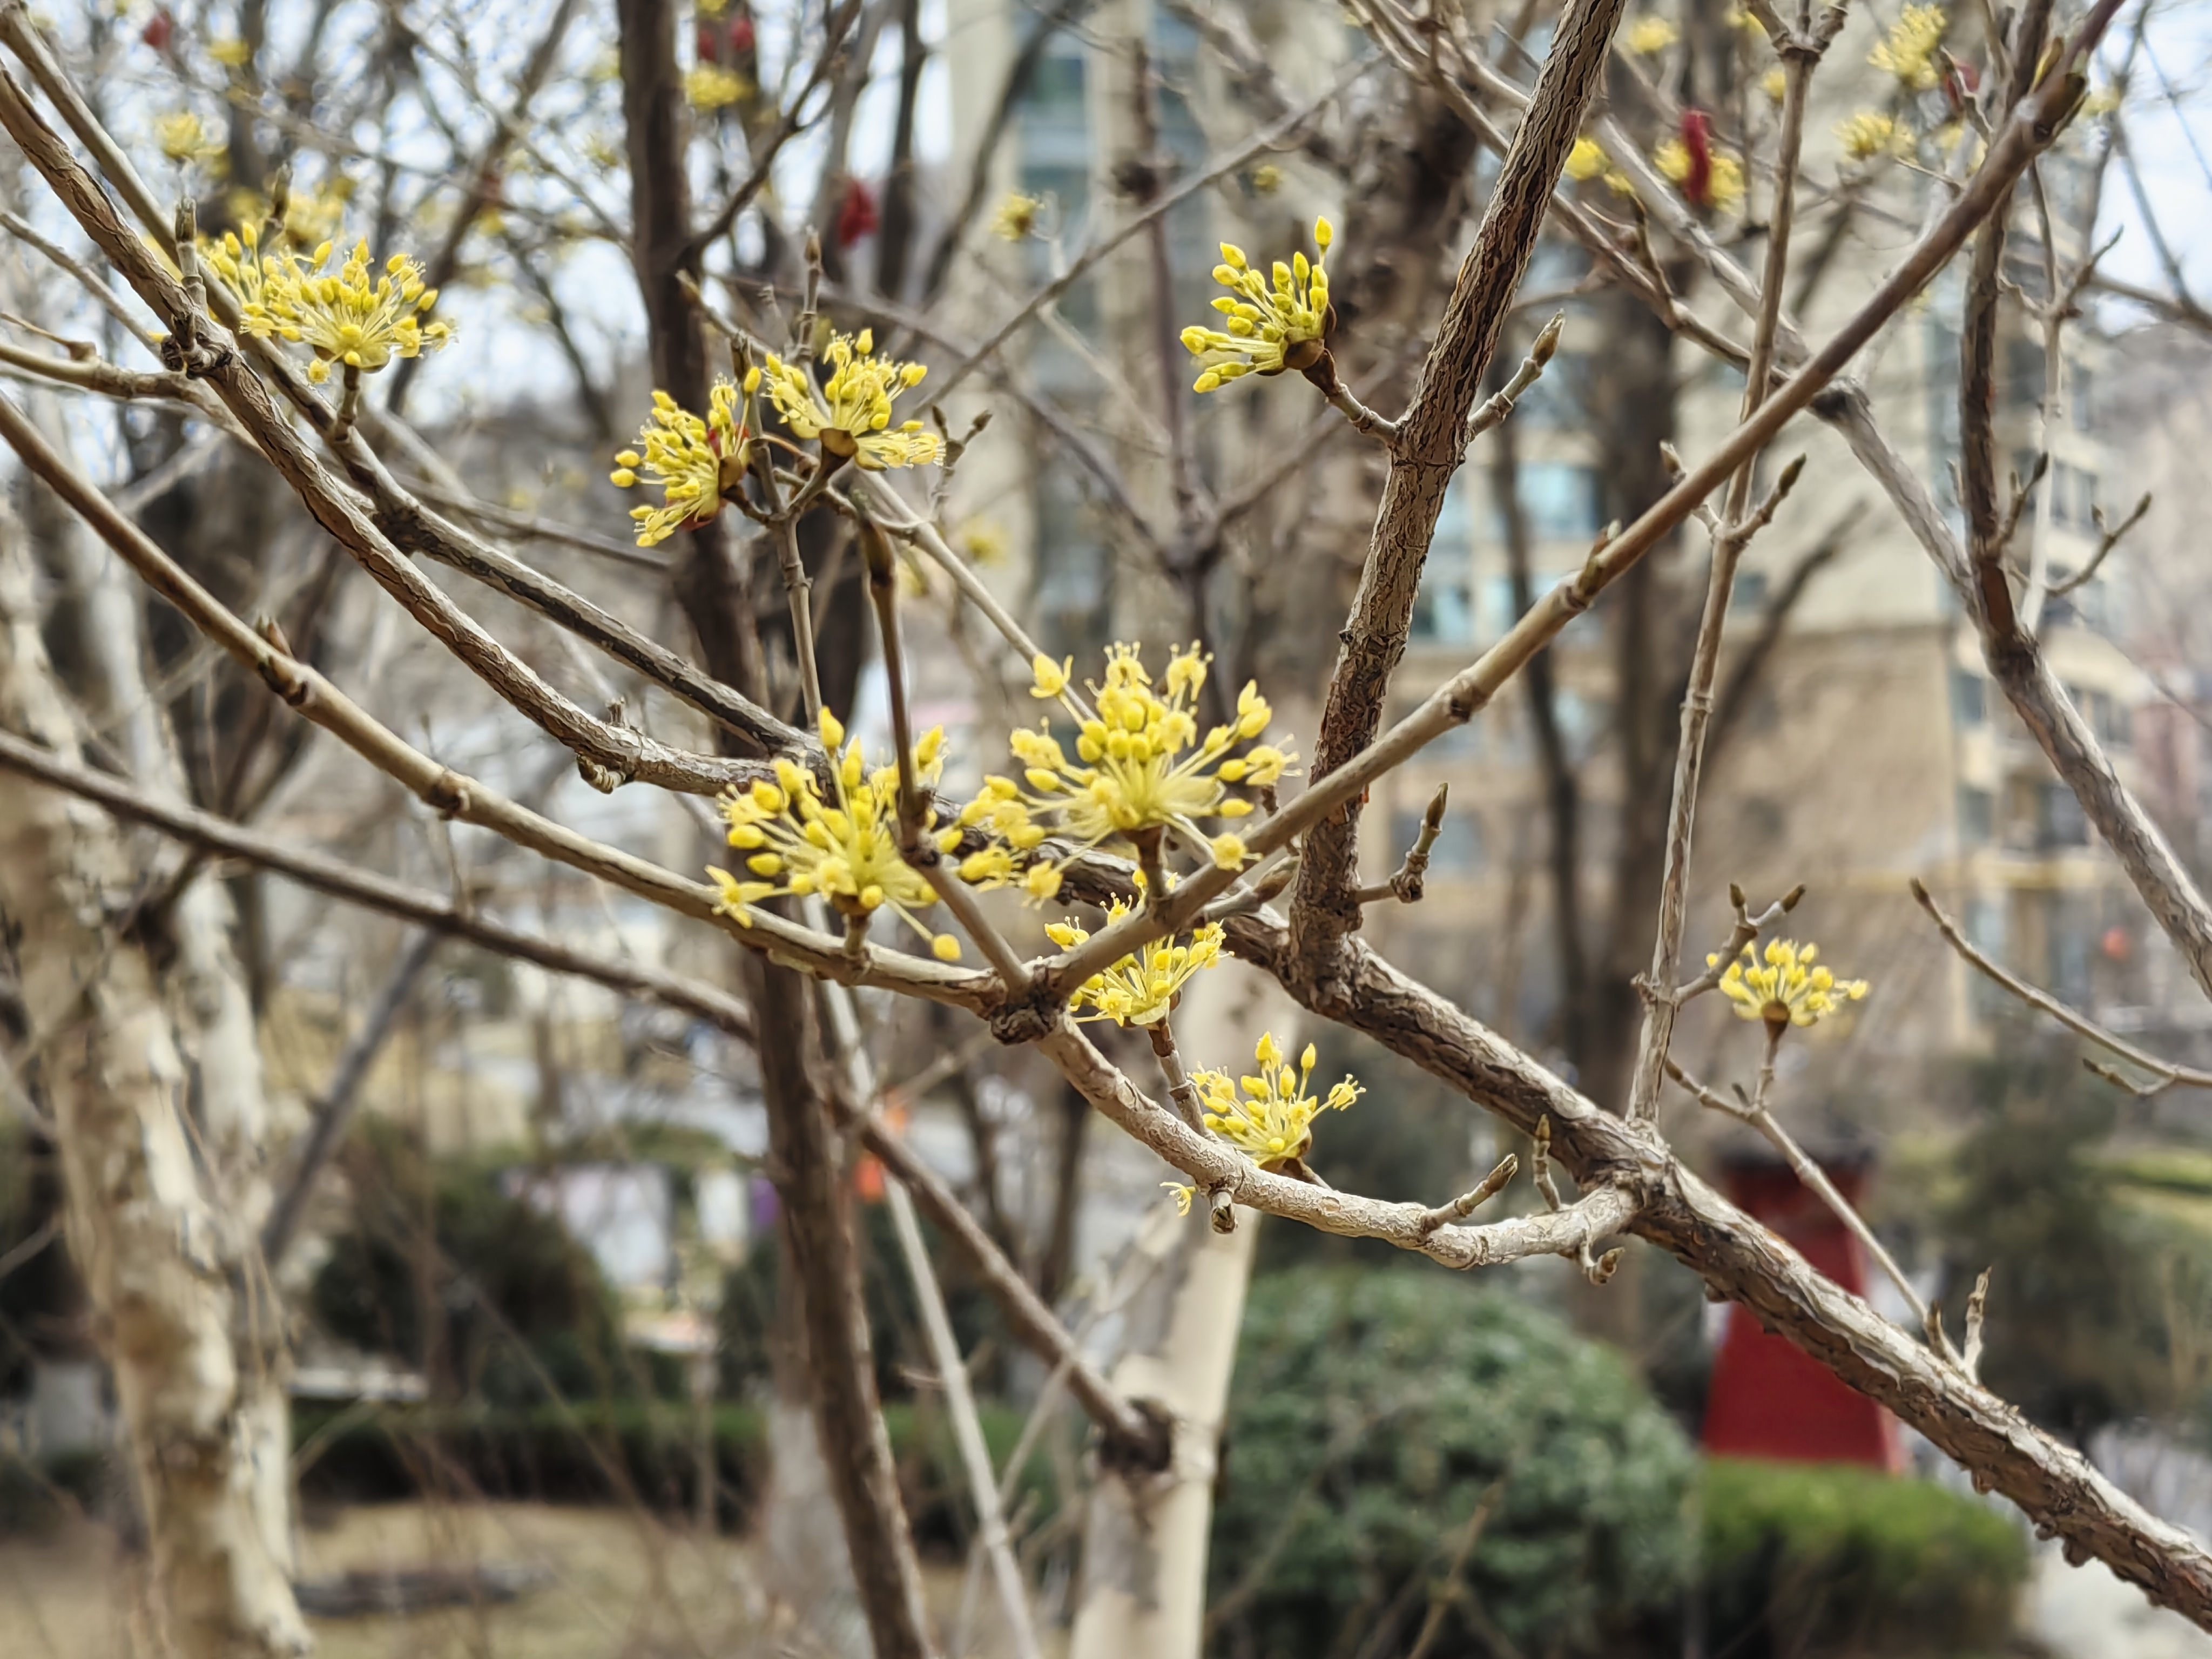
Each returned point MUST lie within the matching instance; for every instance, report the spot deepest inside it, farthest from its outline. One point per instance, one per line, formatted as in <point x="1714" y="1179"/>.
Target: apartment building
<point x="1870" y="749"/>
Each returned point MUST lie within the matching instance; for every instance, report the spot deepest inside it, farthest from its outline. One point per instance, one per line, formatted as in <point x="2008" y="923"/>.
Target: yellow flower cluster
<point x="709" y="87"/>
<point x="1908" y="51"/>
<point x="1141" y="767"/>
<point x="1650" y="35"/>
<point x="851" y="412"/>
<point x="345" y="316"/>
<point x="1724" y="187"/>
<point x="848" y="852"/>
<point x="1140" y="989"/>
<point x="1870" y="133"/>
<point x="1266" y="328"/>
<point x="1273" y="1121"/>
<point x="1587" y="160"/>
<point x="693" y="461"/>
<point x="1017" y="218"/>
<point x="1789" y="986"/>
<point x="184" y="138"/>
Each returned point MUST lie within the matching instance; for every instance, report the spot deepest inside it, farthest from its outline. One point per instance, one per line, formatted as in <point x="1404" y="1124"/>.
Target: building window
<point x="1559" y="501"/>
<point x="2085" y="399"/>
<point x="1970" y="699"/>
<point x="2023" y="387"/>
<point x="2060" y="822"/>
<point x="1976" y="817"/>
<point x="1443" y="608"/>
<point x="1749" y="593"/>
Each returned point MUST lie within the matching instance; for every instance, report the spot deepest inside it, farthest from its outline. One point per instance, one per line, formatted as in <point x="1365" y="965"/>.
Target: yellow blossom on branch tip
<point x="346" y="316"/>
<point x="1182" y="1195"/>
<point x="1724" y="182"/>
<point x="1775" y="84"/>
<point x="1016" y="219"/>
<point x="692" y="461"/>
<point x="844" y="848"/>
<point x="1141" y="767"/>
<point x="1271" y="1121"/>
<point x="1139" y="989"/>
<point x="850" y="413"/>
<point x="1870" y="133"/>
<point x="184" y="138"/>
<point x="709" y="87"/>
<point x="1269" y="323"/>
<point x="1909" y="51"/>
<point x="1650" y="35"/>
<point x="1786" y="984"/>
<point x="1586" y="159"/>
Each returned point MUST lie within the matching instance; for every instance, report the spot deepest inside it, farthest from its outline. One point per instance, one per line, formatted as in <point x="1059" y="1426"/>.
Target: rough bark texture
<point x="810" y="1179"/>
<point x="1431" y="445"/>
<point x="1144" y="1537"/>
<point x="715" y="593"/>
<point x="202" y="1404"/>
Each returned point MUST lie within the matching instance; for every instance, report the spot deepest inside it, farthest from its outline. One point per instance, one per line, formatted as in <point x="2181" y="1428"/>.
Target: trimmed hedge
<point x="1375" y="1412"/>
<point x="1827" y="1558"/>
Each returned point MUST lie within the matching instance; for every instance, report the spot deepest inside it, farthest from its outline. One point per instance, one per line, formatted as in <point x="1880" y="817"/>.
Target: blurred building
<point x="1869" y="748"/>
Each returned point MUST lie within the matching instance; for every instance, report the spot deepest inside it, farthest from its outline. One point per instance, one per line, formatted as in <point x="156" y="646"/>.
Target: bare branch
<point x="2081" y="1024"/>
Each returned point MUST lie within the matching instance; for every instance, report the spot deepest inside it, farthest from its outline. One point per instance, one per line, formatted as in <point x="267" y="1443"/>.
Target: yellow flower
<point x="850" y="412"/>
<point x="1138" y="990"/>
<point x="984" y="541"/>
<point x="1266" y="329"/>
<point x="1870" y="133"/>
<point x="344" y="316"/>
<point x="846" y="850"/>
<point x="693" y="461"/>
<point x="710" y="86"/>
<point x="1141" y="767"/>
<point x="1775" y="84"/>
<point x="1273" y="1122"/>
<point x="1909" y="51"/>
<point x="1266" y="178"/>
<point x="184" y="138"/>
<point x="1182" y="1195"/>
<point x="1586" y="159"/>
<point x="231" y="52"/>
<point x="1650" y="35"/>
<point x="1017" y="218"/>
<point x="1786" y="988"/>
<point x="1723" y="184"/>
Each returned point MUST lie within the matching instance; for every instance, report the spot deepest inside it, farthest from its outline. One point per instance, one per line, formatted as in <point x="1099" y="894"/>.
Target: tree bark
<point x="1144" y="1537"/>
<point x="196" y="1362"/>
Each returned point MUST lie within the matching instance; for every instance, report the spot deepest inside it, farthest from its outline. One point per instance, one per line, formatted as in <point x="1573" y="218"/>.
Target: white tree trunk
<point x="1144" y="1546"/>
<point x="165" y="1261"/>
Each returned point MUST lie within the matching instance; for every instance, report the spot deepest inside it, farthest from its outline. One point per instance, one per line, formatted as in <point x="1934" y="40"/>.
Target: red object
<point x="1697" y="140"/>
<point x="721" y="42"/>
<point x="856" y="215"/>
<point x="1769" y="1400"/>
<point x="158" y="30"/>
<point x="2116" y="943"/>
<point x="1959" y="84"/>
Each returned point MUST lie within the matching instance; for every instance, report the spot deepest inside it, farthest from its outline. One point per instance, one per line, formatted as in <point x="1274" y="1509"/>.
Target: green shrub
<point x="513" y="1300"/>
<point x="1374" y="1411"/>
<point x="1816" y="1559"/>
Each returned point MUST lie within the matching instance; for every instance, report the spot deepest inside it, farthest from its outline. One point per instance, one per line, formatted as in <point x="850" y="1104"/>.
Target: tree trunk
<point x="1144" y="1539"/>
<point x="165" y="1261"/>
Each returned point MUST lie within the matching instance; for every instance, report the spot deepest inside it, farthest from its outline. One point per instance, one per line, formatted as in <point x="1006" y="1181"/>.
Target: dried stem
<point x="1755" y="1113"/>
<point x="2081" y="1024"/>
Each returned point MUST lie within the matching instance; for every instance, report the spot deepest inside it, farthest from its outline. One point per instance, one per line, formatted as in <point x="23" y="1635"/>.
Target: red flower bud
<point x="856" y="215"/>
<point x="159" y="29"/>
